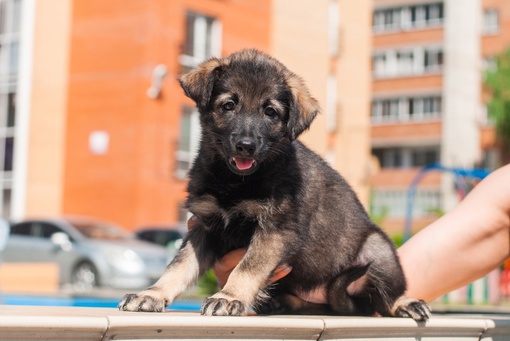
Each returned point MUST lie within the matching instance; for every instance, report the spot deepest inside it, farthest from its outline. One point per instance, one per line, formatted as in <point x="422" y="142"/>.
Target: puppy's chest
<point x="219" y="204"/>
<point x="220" y="213"/>
<point x="228" y="225"/>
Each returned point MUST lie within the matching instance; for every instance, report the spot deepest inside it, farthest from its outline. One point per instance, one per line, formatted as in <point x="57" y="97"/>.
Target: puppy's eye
<point x="228" y="106"/>
<point x="270" y="112"/>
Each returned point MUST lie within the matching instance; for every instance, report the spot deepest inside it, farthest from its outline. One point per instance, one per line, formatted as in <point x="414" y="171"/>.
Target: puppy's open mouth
<point x="242" y="164"/>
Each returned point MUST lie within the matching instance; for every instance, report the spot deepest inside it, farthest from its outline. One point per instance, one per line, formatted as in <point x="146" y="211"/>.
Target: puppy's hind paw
<point x="418" y="310"/>
<point x="270" y="306"/>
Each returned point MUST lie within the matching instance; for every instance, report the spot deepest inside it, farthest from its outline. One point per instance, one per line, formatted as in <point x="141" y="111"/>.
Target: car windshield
<point x="97" y="230"/>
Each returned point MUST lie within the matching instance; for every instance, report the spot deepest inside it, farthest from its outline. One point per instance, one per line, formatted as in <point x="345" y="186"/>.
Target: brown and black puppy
<point x="254" y="186"/>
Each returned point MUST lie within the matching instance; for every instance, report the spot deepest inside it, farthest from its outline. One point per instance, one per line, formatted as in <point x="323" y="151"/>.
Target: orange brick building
<point x="98" y="144"/>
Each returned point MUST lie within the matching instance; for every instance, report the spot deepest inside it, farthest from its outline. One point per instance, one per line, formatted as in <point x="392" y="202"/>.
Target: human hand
<point x="227" y="263"/>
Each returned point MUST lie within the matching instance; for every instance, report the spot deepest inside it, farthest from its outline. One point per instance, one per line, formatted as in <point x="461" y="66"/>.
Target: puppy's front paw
<point x="418" y="310"/>
<point x="222" y="307"/>
<point x="144" y="301"/>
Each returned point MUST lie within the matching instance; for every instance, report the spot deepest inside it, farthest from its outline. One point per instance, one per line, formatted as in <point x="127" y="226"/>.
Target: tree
<point x="497" y="79"/>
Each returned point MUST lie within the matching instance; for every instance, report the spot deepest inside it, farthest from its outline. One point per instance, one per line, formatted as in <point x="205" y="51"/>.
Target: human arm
<point x="463" y="245"/>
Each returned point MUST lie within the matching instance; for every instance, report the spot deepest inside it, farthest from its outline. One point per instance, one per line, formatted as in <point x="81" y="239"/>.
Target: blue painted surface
<point x="91" y="302"/>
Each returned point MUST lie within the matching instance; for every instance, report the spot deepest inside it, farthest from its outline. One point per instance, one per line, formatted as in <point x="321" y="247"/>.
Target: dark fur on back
<point x="254" y="186"/>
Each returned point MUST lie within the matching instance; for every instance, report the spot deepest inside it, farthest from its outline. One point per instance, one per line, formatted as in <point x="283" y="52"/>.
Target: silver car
<point x="89" y="253"/>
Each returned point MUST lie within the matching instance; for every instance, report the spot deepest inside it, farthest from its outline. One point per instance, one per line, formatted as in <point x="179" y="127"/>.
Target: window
<point x="403" y="109"/>
<point x="7" y="141"/>
<point x="433" y="60"/>
<point x="405" y="62"/>
<point x="394" y="202"/>
<point x="22" y="229"/>
<point x="10" y="17"/>
<point x="489" y="64"/>
<point x="490" y="21"/>
<point x="11" y="109"/>
<point x="389" y="157"/>
<point x="6" y="202"/>
<point x="423" y="157"/>
<point x="411" y="61"/>
<point x="408" y="17"/>
<point x="48" y="230"/>
<point x="406" y="157"/>
<point x="431" y="107"/>
<point x="390" y="110"/>
<point x="188" y="142"/>
<point x="202" y="40"/>
<point x="379" y="65"/>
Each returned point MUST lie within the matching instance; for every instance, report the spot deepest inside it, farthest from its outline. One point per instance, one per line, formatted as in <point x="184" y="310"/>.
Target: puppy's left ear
<point x="198" y="83"/>
<point x="303" y="108"/>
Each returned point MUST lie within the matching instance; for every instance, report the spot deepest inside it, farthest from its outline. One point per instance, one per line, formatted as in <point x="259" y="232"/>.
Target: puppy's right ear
<point x="198" y="83"/>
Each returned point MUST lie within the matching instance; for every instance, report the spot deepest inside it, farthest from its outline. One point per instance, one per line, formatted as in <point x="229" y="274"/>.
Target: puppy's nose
<point x="246" y="146"/>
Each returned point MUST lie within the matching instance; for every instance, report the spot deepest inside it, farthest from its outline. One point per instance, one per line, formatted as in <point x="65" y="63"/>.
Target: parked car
<point x="161" y="235"/>
<point x="90" y="253"/>
<point x="169" y="236"/>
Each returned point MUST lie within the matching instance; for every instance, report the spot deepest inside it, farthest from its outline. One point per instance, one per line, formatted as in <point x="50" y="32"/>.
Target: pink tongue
<point x="243" y="164"/>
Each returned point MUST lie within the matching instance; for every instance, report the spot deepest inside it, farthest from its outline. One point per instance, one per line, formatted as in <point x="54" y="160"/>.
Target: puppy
<point x="254" y="186"/>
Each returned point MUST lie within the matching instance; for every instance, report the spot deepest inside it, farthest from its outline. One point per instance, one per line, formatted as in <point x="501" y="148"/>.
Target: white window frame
<point x="388" y="63"/>
<point x="186" y="157"/>
<point x="433" y="53"/>
<point x="490" y="21"/>
<point x="203" y="38"/>
<point x="401" y="17"/>
<point x="400" y="110"/>
<point x="9" y="71"/>
<point x="405" y="155"/>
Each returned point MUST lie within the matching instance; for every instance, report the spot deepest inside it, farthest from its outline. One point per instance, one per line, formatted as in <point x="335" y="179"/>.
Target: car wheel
<point x="85" y="277"/>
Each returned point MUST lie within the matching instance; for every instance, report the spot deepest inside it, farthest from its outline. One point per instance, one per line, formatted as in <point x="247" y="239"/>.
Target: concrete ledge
<point x="70" y="323"/>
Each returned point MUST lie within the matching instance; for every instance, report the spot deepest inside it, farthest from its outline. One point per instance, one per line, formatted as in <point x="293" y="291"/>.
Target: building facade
<point x="105" y="130"/>
<point x="100" y="124"/>
<point x="328" y="43"/>
<point x="428" y="104"/>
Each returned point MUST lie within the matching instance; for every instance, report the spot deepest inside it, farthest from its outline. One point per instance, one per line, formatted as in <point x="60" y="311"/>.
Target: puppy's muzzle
<point x="243" y="161"/>
<point x="246" y="147"/>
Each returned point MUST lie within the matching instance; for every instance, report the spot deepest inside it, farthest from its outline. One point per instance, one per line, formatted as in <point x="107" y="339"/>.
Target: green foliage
<point x="437" y="211"/>
<point x="378" y="217"/>
<point x="207" y="284"/>
<point x="498" y="81"/>
<point x="398" y="239"/>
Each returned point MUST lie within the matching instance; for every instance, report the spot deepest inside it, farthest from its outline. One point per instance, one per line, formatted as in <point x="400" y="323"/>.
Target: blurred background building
<point x="427" y="98"/>
<point x="97" y="125"/>
<point x="94" y="122"/>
